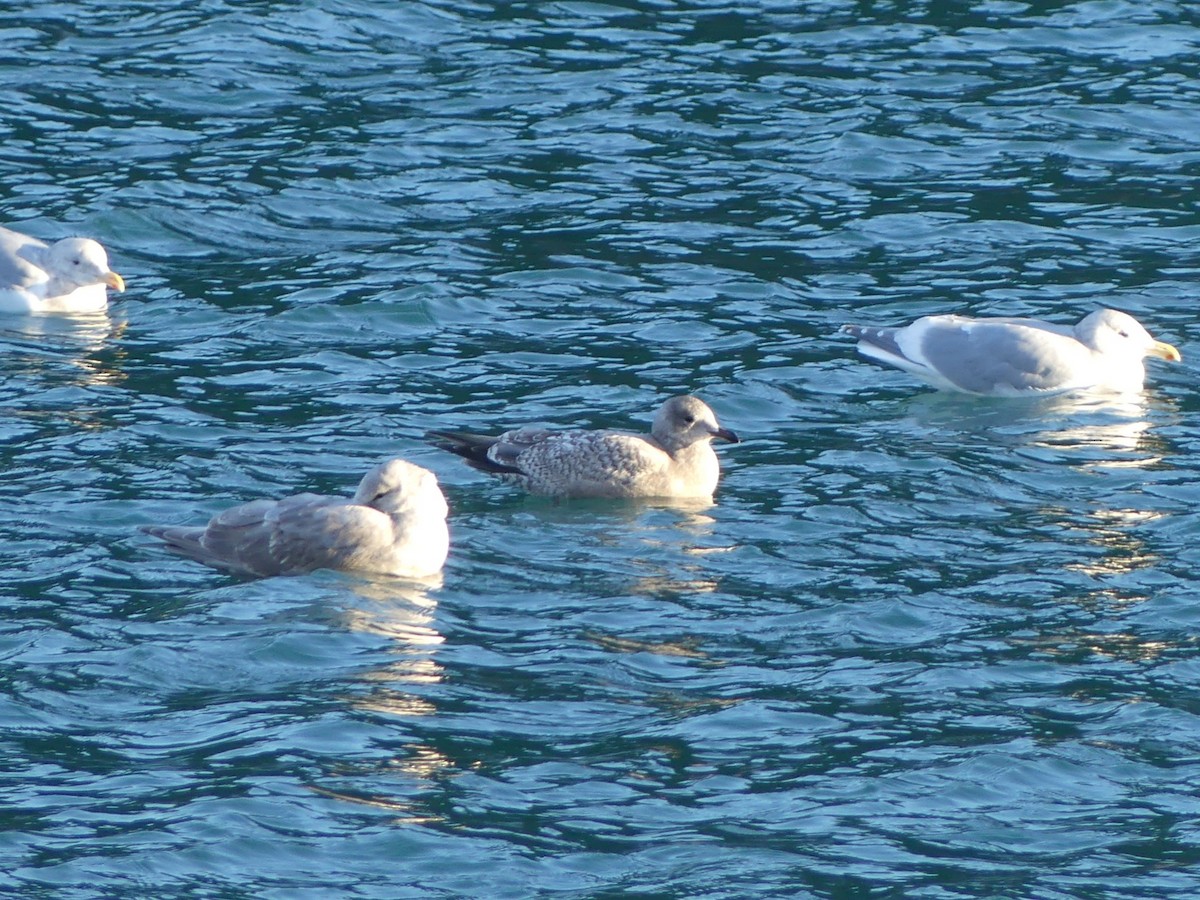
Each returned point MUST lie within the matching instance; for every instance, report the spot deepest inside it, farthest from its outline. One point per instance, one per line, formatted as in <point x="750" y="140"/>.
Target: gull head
<point x="1111" y="331"/>
<point x="79" y="262"/>
<point x="400" y="486"/>
<point x="686" y="420"/>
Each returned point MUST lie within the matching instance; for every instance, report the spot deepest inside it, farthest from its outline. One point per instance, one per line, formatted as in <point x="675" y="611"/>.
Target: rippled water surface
<point x="921" y="646"/>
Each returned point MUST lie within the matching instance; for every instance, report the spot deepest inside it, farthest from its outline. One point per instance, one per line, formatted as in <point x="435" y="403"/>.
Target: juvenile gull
<point x="395" y="524"/>
<point x="68" y="276"/>
<point x="675" y="459"/>
<point x="1017" y="357"/>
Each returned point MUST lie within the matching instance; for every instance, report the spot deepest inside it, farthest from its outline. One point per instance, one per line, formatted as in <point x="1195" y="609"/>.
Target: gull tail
<point x="188" y="541"/>
<point x="178" y="539"/>
<point x="474" y="448"/>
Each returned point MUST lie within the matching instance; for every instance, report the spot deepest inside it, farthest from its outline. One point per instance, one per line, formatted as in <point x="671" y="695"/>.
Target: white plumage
<point x="68" y="276"/>
<point x="1015" y="357"/>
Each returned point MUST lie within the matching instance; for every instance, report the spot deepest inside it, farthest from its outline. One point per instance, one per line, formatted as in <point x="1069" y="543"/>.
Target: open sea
<point x="921" y="646"/>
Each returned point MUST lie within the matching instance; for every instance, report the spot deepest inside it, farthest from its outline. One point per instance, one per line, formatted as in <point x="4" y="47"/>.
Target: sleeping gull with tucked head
<point x="68" y="276"/>
<point x="1018" y="357"/>
<point x="675" y="459"/>
<point x="395" y="524"/>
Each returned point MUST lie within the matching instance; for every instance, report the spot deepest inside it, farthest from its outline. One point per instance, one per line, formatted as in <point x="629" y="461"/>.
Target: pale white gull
<point x="395" y="524"/>
<point x="675" y="460"/>
<point x="1018" y="357"/>
<point x="68" y="276"/>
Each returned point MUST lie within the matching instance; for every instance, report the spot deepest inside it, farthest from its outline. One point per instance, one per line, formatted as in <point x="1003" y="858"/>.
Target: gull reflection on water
<point x="403" y="611"/>
<point x="1105" y="430"/>
<point x="52" y="364"/>
<point x="1112" y="431"/>
<point x="1113" y="434"/>
<point x="1053" y="448"/>
<point x="683" y="527"/>
<point x="36" y="344"/>
<point x="648" y="536"/>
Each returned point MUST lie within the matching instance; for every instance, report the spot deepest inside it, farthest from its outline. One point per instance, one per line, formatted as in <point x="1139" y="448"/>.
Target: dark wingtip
<point x="473" y="448"/>
<point x="439" y="435"/>
<point x="448" y="441"/>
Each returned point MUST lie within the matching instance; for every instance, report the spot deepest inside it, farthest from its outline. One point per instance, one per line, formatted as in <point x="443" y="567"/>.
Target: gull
<point x="395" y="524"/>
<point x="68" y="276"/>
<point x="1018" y="357"/>
<point x="675" y="459"/>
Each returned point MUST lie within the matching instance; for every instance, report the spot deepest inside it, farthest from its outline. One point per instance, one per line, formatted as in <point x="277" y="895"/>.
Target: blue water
<point x="921" y="646"/>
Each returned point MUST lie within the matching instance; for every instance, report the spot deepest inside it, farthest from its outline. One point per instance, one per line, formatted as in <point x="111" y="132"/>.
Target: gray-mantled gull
<point x="675" y="459"/>
<point x="1018" y="357"/>
<point x="395" y="524"/>
<point x="68" y="276"/>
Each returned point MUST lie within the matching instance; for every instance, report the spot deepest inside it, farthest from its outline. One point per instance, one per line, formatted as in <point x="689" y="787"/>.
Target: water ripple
<point x="918" y="646"/>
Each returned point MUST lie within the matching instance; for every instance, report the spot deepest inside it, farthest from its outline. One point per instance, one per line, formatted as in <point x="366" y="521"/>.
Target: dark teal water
<point x="920" y="647"/>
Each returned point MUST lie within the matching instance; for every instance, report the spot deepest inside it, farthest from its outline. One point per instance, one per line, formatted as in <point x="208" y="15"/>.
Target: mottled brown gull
<point x="395" y="524"/>
<point x="68" y="276"/>
<point x="1018" y="357"/>
<point x="674" y="460"/>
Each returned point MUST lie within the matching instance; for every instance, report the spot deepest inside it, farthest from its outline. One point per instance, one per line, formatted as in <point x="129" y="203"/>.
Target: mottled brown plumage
<point x="675" y="459"/>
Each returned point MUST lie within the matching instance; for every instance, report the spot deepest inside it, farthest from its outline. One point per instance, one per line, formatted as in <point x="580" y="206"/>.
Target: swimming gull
<point x="675" y="459"/>
<point x="395" y="524"/>
<point x="68" y="276"/>
<point x="1015" y="357"/>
